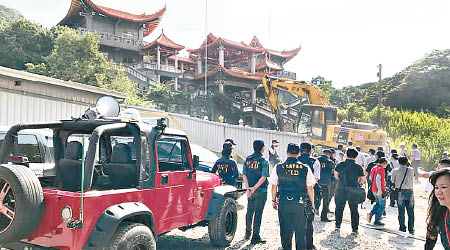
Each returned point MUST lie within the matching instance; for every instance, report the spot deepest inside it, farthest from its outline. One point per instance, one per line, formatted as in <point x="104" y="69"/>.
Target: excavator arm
<point x="311" y="92"/>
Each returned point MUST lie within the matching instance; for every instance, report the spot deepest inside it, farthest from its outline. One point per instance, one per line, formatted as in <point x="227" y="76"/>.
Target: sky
<point x="342" y="40"/>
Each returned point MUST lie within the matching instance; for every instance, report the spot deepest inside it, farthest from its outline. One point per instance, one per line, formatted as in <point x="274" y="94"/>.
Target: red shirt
<point x="378" y="170"/>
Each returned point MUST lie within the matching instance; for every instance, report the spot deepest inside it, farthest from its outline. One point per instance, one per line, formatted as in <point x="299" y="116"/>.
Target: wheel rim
<point x="230" y="223"/>
<point x="7" y="205"/>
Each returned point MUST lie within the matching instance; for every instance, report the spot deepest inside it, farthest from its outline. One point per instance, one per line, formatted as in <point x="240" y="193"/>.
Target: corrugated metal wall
<point x="19" y="108"/>
<point x="211" y="135"/>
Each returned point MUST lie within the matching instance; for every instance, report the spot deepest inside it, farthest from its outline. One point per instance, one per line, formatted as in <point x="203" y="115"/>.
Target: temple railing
<point x="287" y="74"/>
<point x="115" y="40"/>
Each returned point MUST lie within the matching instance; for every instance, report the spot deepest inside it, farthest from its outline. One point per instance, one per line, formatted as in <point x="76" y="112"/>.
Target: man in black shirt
<point x="348" y="174"/>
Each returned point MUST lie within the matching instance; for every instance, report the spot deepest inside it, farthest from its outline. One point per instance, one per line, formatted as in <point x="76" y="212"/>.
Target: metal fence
<point x="212" y="135"/>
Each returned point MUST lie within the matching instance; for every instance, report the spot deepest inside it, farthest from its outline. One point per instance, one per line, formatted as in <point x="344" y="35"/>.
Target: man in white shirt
<point x="416" y="158"/>
<point x="371" y="157"/>
<point x="360" y="159"/>
<point x="403" y="150"/>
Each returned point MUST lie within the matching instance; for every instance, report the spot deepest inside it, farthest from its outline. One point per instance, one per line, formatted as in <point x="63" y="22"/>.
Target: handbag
<point x="355" y="194"/>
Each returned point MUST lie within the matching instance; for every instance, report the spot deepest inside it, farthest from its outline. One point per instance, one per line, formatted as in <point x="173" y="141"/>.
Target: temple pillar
<point x="89" y="21"/>
<point x="182" y="67"/>
<point x="176" y="62"/>
<point x="199" y="67"/>
<point x="166" y="61"/>
<point x="221" y="84"/>
<point x="221" y="55"/>
<point x="141" y="34"/>
<point x="254" y="94"/>
<point x="158" y="78"/>
<point x="158" y="58"/>
<point x="253" y="63"/>
<point x="116" y="27"/>
<point x="175" y="86"/>
<point x="185" y="87"/>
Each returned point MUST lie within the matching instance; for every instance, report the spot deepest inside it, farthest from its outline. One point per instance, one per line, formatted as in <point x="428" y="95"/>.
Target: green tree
<point x="77" y="58"/>
<point x="8" y="15"/>
<point x="24" y="42"/>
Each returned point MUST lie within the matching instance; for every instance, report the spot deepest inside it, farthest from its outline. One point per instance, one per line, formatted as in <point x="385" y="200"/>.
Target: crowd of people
<point x="306" y="182"/>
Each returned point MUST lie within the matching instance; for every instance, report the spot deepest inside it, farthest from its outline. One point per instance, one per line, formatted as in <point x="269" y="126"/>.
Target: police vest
<point x="326" y="170"/>
<point x="226" y="169"/>
<point x="254" y="164"/>
<point x="308" y="160"/>
<point x="292" y="178"/>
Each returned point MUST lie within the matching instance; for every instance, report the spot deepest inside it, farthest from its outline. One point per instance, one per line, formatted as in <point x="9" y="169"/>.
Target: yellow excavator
<point x="317" y="119"/>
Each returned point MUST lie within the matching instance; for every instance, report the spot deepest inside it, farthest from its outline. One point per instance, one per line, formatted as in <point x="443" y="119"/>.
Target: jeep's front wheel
<point x="222" y="229"/>
<point x="133" y="236"/>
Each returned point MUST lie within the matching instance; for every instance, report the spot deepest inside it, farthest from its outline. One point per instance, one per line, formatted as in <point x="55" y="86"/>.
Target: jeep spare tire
<point x="222" y="228"/>
<point x="21" y="202"/>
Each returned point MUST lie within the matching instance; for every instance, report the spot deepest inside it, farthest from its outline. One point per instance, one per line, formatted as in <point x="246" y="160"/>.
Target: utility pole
<point x="379" y="95"/>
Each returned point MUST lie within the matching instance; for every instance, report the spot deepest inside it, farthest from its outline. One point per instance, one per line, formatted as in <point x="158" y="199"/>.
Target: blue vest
<point x="254" y="163"/>
<point x="326" y="170"/>
<point x="227" y="170"/>
<point x="292" y="179"/>
<point x="308" y="160"/>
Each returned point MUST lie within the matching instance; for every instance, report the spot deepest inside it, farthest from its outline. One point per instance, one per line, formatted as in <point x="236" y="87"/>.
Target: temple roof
<point x="216" y="41"/>
<point x="164" y="41"/>
<point x="232" y="72"/>
<point x="77" y="6"/>
<point x="254" y="46"/>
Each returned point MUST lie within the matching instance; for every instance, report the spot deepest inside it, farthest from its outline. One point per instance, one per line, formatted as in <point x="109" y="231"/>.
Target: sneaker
<point x="378" y="223"/>
<point x="355" y="231"/>
<point x="384" y="214"/>
<point x="338" y="227"/>
<point x="257" y="240"/>
<point x="312" y="248"/>
<point x="411" y="232"/>
<point x="247" y="235"/>
<point x="402" y="230"/>
<point x="369" y="217"/>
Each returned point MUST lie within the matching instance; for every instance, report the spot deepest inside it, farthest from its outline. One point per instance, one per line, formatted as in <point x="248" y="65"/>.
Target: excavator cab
<point x="314" y="119"/>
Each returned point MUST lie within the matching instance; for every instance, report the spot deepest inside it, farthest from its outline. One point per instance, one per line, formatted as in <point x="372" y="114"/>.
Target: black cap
<point x="445" y="161"/>
<point x="275" y="141"/>
<point x="305" y="147"/>
<point x="340" y="146"/>
<point x="332" y="150"/>
<point x="350" y="143"/>
<point x="227" y="145"/>
<point x="380" y="148"/>
<point x="293" y="148"/>
<point x="394" y="151"/>
<point x="258" y="145"/>
<point x="380" y="154"/>
<point x="230" y="141"/>
<point x="372" y="151"/>
<point x="326" y="151"/>
<point x="358" y="148"/>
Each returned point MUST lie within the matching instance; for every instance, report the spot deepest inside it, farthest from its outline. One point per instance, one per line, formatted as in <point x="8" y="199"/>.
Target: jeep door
<point x="174" y="183"/>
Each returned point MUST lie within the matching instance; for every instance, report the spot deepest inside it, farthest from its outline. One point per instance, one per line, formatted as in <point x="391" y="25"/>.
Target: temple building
<point x="121" y="33"/>
<point x="229" y="67"/>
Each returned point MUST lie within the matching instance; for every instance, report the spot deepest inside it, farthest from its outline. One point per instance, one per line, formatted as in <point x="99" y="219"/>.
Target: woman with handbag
<point x="378" y="179"/>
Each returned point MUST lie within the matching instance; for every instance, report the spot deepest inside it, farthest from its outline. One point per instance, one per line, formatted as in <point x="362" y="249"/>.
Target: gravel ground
<point x="325" y="236"/>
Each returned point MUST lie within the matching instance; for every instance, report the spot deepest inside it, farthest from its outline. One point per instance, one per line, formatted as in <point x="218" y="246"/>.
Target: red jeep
<point x="118" y="185"/>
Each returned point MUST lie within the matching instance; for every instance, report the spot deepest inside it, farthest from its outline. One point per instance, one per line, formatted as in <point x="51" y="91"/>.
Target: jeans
<point x="406" y="200"/>
<point x="255" y="209"/>
<point x="292" y="220"/>
<point x="325" y="196"/>
<point x="341" y="199"/>
<point x="378" y="208"/>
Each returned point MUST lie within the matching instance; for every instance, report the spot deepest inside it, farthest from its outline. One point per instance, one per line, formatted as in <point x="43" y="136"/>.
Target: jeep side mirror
<point x="196" y="161"/>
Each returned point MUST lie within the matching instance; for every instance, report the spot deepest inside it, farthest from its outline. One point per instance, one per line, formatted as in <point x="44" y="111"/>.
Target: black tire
<point x="21" y="201"/>
<point x="222" y="229"/>
<point x="131" y="236"/>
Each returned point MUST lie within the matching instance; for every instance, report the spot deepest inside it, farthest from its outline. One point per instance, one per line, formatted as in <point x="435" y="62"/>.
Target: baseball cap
<point x="230" y="141"/>
<point x="326" y="151"/>
<point x="293" y="148"/>
<point x="275" y="141"/>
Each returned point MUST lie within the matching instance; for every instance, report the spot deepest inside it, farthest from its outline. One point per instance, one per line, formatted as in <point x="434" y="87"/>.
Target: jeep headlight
<point x="66" y="214"/>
